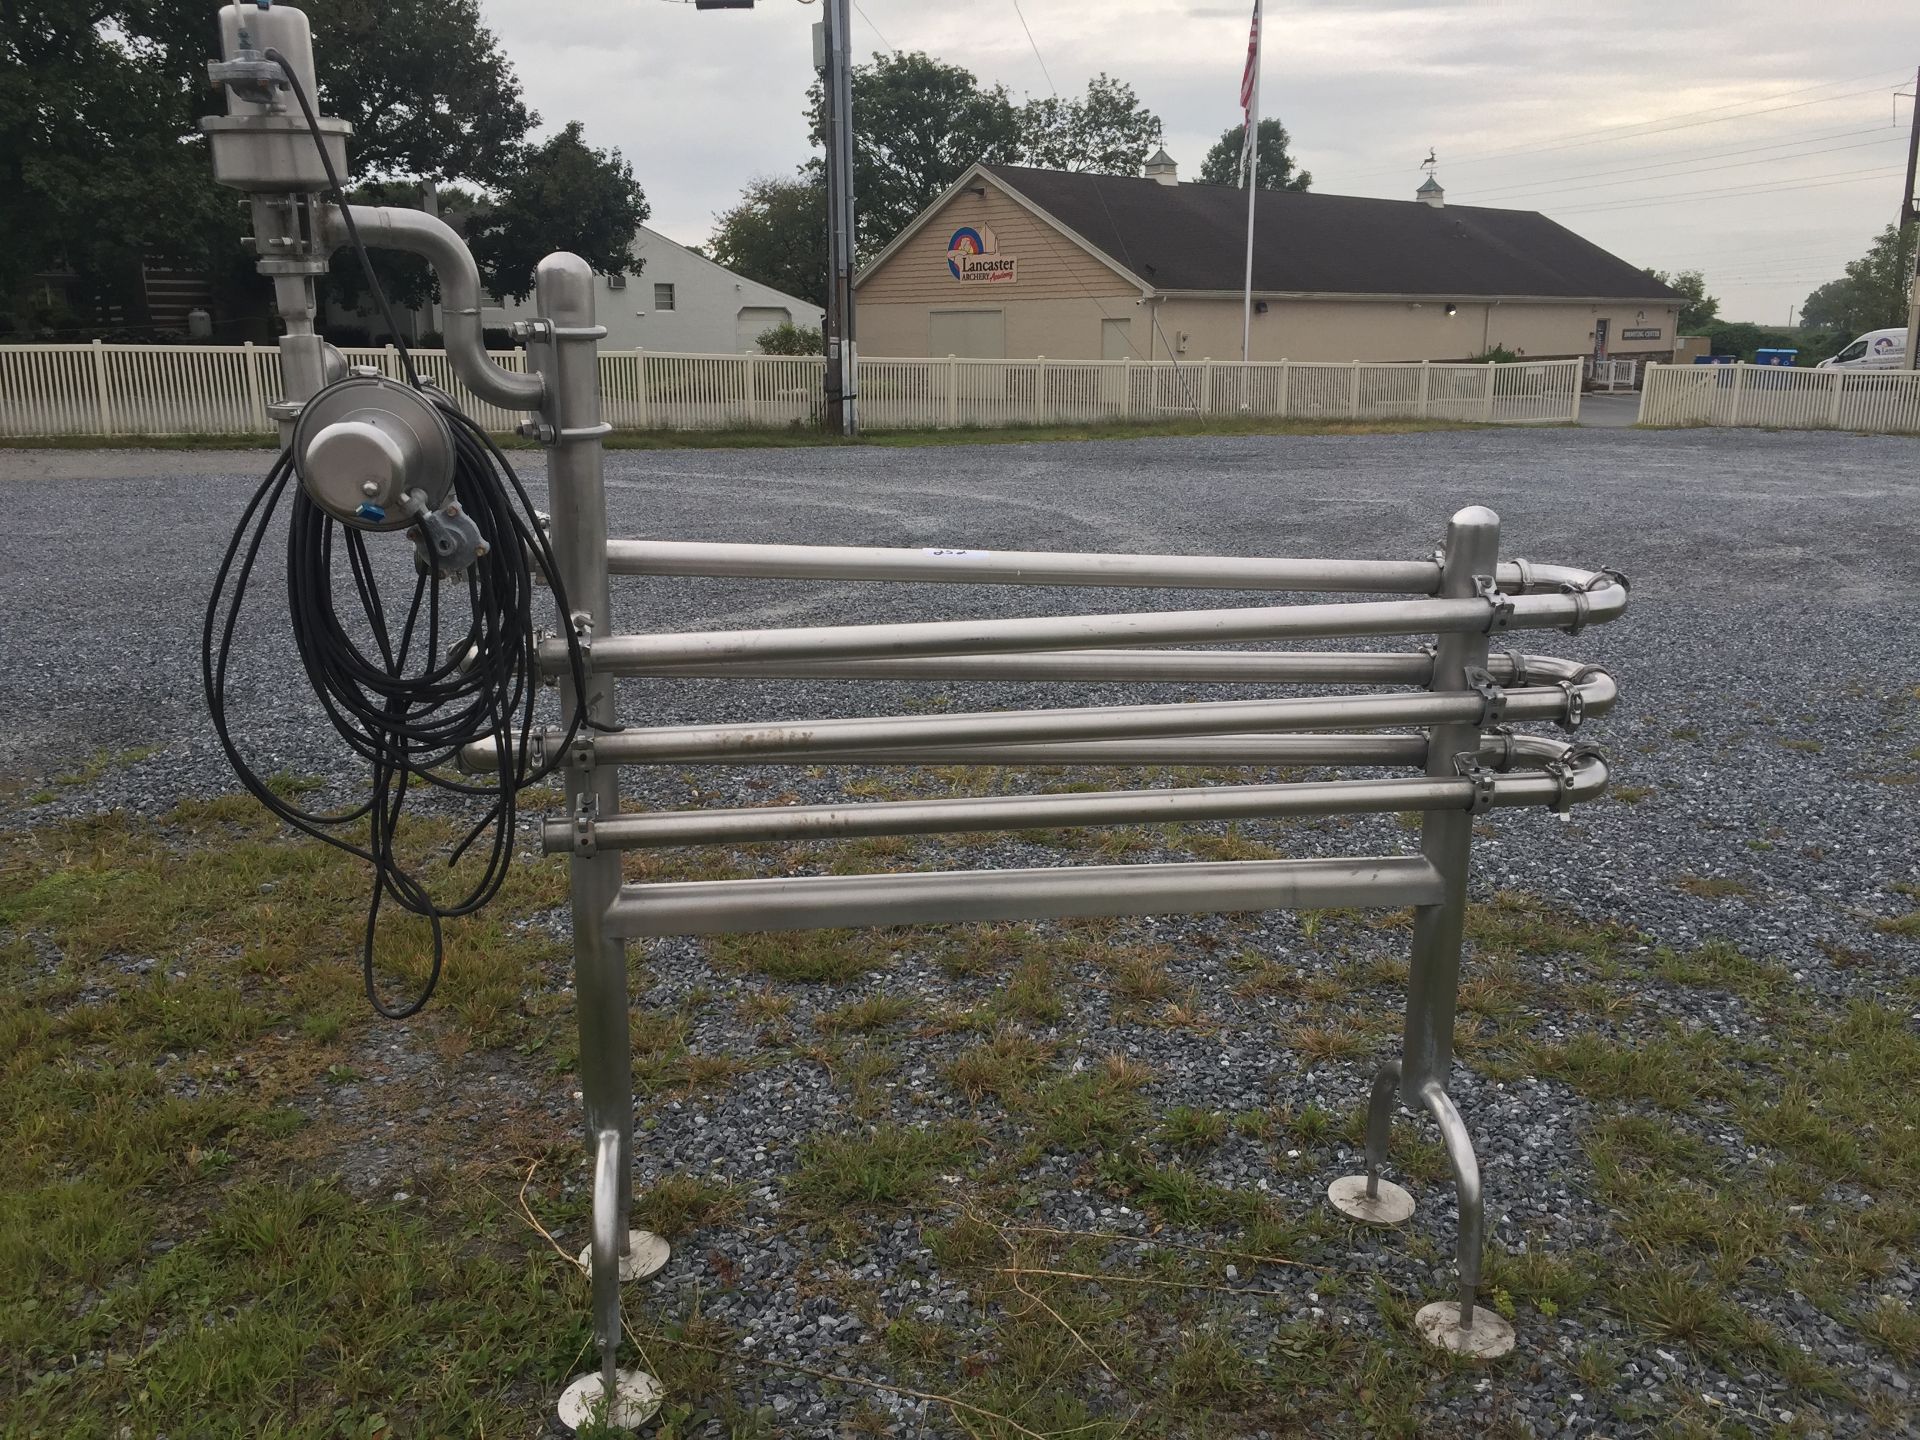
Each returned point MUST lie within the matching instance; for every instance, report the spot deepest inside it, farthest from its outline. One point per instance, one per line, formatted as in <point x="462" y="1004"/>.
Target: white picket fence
<point x="100" y="389"/>
<point x="1778" y="396"/>
<point x="1610" y="375"/>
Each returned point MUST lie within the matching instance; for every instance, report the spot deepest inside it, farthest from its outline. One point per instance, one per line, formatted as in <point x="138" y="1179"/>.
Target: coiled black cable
<point x="405" y="691"/>
<point x="410" y="702"/>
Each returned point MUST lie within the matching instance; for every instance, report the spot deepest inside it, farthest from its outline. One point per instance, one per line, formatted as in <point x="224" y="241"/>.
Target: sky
<point x="1760" y="141"/>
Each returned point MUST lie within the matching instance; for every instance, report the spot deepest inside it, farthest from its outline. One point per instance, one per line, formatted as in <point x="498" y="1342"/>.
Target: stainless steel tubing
<point x="610" y="1169"/>
<point x="418" y="233"/>
<point x="847" y="737"/>
<point x="1239" y="750"/>
<point x="1020" y="567"/>
<point x="1105" y="807"/>
<point x="1446" y="837"/>
<point x="479" y="758"/>
<point x="1380" y="1106"/>
<point x="1262" y="667"/>
<point x="568" y="366"/>
<point x="945" y="565"/>
<point x="812" y="902"/>
<point x="1451" y="615"/>
<point x="1466" y="1183"/>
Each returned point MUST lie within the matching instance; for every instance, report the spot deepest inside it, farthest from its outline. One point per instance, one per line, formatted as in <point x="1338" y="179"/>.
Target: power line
<point x="1850" y="177"/>
<point x="1646" y="128"/>
<point x="875" y="28"/>
<point x="1881" y="132"/>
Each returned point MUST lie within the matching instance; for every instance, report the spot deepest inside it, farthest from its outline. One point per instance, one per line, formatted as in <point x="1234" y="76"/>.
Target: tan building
<point x="1018" y="262"/>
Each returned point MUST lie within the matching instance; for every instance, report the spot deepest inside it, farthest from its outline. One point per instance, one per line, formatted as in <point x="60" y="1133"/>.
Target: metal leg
<point x="609" y="1395"/>
<point x="566" y="356"/>
<point x="1460" y="1325"/>
<point x="1367" y="1197"/>
<point x="1386" y="1082"/>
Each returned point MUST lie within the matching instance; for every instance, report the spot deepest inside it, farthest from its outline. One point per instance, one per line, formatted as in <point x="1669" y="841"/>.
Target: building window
<point x="663" y="297"/>
<point x="617" y="280"/>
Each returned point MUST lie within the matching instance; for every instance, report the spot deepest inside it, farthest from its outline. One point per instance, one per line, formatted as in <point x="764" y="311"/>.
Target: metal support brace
<point x="1493" y="700"/>
<point x="1470" y="768"/>
<point x="1501" y="615"/>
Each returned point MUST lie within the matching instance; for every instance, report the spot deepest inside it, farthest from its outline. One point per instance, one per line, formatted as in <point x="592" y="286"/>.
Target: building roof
<point x="1192" y="237"/>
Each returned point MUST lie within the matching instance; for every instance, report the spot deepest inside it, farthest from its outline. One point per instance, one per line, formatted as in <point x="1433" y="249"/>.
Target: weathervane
<point x="1430" y="163"/>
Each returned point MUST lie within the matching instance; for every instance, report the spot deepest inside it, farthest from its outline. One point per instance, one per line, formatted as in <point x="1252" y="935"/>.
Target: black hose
<point x="404" y="694"/>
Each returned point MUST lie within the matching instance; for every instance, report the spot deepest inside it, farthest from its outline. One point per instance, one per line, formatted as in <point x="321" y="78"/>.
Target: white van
<point x="1875" y="350"/>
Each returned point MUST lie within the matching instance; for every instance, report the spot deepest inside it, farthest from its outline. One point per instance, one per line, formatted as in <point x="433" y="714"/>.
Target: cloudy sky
<point x="1759" y="141"/>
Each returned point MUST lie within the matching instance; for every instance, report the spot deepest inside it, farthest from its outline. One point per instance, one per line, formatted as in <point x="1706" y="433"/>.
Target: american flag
<point x="1249" y="82"/>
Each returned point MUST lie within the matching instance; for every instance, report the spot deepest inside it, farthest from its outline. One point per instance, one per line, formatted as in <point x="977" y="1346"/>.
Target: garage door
<point x="972" y="334"/>
<point x="752" y="320"/>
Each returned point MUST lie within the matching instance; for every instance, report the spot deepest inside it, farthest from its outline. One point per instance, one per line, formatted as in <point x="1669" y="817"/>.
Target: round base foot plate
<point x="1390" y="1206"/>
<point x="1488" y="1338"/>
<point x="636" y="1398"/>
<point x="646" y="1254"/>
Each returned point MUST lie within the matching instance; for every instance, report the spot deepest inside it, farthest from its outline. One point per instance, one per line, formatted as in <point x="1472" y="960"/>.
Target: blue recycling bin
<point x="1775" y="357"/>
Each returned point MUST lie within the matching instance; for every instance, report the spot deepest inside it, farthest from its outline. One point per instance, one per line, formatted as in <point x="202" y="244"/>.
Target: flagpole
<point x="1251" y="141"/>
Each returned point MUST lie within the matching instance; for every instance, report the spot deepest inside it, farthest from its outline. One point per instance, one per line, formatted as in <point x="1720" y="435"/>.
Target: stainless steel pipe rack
<point x="1452" y="730"/>
<point x="1448" y="726"/>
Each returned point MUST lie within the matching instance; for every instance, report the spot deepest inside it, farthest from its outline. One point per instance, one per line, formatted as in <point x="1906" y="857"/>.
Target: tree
<point x="1700" y="308"/>
<point x="103" y="165"/>
<point x="1873" y="294"/>
<point x="91" y="163"/>
<point x="1107" y="131"/>
<point x="1276" y="171"/>
<point x="1829" y="306"/>
<point x="917" y="125"/>
<point x="564" y="195"/>
<point x="777" y="234"/>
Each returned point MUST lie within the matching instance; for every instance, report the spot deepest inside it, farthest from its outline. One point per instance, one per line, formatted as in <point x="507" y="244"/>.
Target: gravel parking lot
<point x="1767" y="764"/>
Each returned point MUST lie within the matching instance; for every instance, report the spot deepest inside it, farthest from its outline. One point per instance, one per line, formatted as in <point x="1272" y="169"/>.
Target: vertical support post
<point x="953" y="391"/>
<point x="1206" y="386"/>
<point x="1446" y="836"/>
<point x="1126" y="387"/>
<point x="1486" y="407"/>
<point x="1353" y="392"/>
<point x="1039" y="388"/>
<point x="1739" y="391"/>
<point x="100" y="387"/>
<point x="753" y="390"/>
<point x="1286" y="387"/>
<point x="646" y="406"/>
<point x="566" y="355"/>
<point x="1573" y="378"/>
<point x="1833" y="399"/>
<point x="1426" y="386"/>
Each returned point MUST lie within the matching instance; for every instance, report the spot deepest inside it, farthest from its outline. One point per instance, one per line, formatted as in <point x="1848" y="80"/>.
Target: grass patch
<point x="890" y="1166"/>
<point x="861" y="1017"/>
<point x="1714" y="887"/>
<point x="814" y="957"/>
<point x="1005" y="1066"/>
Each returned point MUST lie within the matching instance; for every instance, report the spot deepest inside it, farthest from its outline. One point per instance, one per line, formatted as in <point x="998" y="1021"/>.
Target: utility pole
<point x="832" y="55"/>
<point x="1908" y="214"/>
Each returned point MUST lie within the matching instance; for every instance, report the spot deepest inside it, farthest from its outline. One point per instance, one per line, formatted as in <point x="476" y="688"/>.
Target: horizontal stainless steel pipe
<point x="1250" y="667"/>
<point x="1184" y="750"/>
<point x="1019" y="567"/>
<point x="621" y="654"/>
<point x="1341" y="750"/>
<point x="1108" y="807"/>
<point x="1050" y="567"/>
<point x="811" y="902"/>
<point x="1237" y="667"/>
<point x="800" y="739"/>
